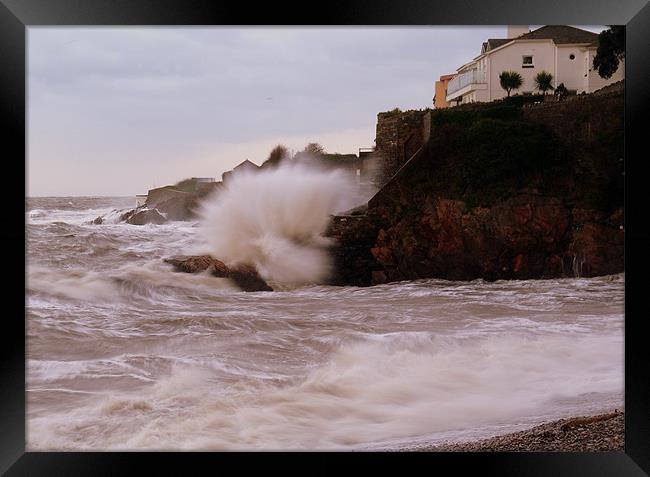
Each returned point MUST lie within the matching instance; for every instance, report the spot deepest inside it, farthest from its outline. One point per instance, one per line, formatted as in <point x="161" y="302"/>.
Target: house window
<point x="572" y="56"/>
<point x="527" y="61"/>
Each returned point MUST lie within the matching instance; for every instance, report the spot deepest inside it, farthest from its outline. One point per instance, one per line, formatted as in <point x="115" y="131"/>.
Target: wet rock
<point x="244" y="276"/>
<point x="146" y="216"/>
<point x="98" y="221"/>
<point x="199" y="264"/>
<point x="525" y="236"/>
<point x="127" y="215"/>
<point x="354" y="237"/>
<point x="378" y="277"/>
<point x="596" y="249"/>
<point x="247" y="278"/>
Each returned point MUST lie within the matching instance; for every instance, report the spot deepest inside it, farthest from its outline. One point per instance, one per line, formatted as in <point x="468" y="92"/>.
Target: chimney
<point x="517" y="30"/>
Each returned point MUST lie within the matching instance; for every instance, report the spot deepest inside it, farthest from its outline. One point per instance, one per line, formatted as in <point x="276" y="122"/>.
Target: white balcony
<point x="466" y="82"/>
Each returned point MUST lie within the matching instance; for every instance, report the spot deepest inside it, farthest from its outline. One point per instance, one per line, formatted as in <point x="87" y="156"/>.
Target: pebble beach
<point x="599" y="433"/>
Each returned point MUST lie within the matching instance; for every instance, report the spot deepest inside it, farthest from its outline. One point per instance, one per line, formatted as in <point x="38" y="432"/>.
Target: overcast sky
<point x="116" y="111"/>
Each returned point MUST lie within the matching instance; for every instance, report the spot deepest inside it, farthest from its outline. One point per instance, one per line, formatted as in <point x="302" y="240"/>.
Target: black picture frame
<point x="17" y="15"/>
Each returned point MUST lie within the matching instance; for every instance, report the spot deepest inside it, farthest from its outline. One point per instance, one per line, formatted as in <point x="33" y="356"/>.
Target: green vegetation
<point x="487" y="153"/>
<point x="277" y="154"/>
<point x="543" y="81"/>
<point x="510" y="80"/>
<point x="486" y="159"/>
<point x="611" y="50"/>
<point x="314" y="149"/>
<point x="509" y="109"/>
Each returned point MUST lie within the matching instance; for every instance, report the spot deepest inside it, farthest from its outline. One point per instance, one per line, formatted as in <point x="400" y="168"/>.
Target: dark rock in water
<point x="98" y="221"/>
<point x="199" y="264"/>
<point x="353" y="261"/>
<point x="127" y="215"/>
<point x="146" y="216"/>
<point x="245" y="276"/>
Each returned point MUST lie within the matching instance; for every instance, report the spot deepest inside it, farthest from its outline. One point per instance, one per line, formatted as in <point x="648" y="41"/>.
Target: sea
<point x="124" y="353"/>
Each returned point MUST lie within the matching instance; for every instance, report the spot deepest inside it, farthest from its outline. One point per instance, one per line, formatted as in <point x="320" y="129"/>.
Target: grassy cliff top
<point x="485" y="153"/>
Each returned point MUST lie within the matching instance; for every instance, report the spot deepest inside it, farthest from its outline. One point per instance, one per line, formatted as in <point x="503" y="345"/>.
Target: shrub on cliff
<point x="481" y="159"/>
<point x="611" y="50"/>
<point x="484" y="153"/>
<point x="497" y="151"/>
<point x="314" y="149"/>
<point x="278" y="153"/>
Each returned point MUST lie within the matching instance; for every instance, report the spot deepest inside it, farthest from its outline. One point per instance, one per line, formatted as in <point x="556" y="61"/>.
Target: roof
<point x="493" y="43"/>
<point x="447" y="77"/>
<point x="245" y="165"/>
<point x="560" y="34"/>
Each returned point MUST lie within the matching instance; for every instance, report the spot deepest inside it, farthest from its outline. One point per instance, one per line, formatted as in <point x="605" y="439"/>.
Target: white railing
<point x="464" y="79"/>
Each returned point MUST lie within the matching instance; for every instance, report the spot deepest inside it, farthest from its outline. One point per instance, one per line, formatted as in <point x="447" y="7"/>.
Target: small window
<point x="572" y="56"/>
<point x="527" y="62"/>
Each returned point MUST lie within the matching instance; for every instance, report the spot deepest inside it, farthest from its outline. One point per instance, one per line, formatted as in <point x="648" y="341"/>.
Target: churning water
<point x="123" y="353"/>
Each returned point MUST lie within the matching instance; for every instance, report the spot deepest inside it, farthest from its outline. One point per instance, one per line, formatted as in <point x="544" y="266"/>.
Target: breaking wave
<point x="275" y="220"/>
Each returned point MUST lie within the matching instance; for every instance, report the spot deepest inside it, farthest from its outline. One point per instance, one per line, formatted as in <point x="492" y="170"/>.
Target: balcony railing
<point x="464" y="79"/>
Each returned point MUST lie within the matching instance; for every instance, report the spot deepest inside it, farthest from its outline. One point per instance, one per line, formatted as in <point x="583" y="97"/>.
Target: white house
<point x="565" y="52"/>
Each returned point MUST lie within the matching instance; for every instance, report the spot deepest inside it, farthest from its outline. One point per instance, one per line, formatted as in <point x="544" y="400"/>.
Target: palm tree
<point x="510" y="80"/>
<point x="543" y="81"/>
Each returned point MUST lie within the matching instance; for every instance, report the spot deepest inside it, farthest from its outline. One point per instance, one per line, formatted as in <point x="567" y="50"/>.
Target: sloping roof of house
<point x="560" y="34"/>
<point x="245" y="165"/>
<point x="493" y="43"/>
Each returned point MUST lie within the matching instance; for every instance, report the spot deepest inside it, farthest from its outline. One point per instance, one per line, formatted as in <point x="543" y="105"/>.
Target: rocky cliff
<point x="175" y="202"/>
<point x="499" y="191"/>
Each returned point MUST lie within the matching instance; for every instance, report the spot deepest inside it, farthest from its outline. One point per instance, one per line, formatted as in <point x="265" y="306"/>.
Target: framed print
<point x="407" y="232"/>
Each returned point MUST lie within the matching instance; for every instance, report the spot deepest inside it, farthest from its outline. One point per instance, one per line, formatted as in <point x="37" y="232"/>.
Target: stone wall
<point x="399" y="135"/>
<point x="580" y="117"/>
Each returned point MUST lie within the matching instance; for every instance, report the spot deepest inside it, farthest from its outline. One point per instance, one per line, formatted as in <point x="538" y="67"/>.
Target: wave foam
<point x="275" y="220"/>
